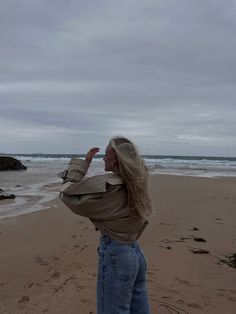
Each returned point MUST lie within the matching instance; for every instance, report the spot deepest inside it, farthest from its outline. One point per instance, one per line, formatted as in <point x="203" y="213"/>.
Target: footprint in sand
<point x="171" y="291"/>
<point x="194" y="229"/>
<point x="39" y="260"/>
<point x="205" y="299"/>
<point x="82" y="248"/>
<point x="165" y="307"/>
<point x="167" y="241"/>
<point x="57" y="289"/>
<point x="192" y="305"/>
<point x="72" y="277"/>
<point x="166" y="298"/>
<point x="55" y="258"/>
<point x="63" y="249"/>
<point x="218" y="221"/>
<point x="165" y="247"/>
<point x="232" y="299"/>
<point x="60" y="287"/>
<point x="184" y="282"/>
<point x="184" y="238"/>
<point x="80" y="287"/>
<point x="30" y="285"/>
<point x="224" y="295"/>
<point x="56" y="275"/>
<point x="195" y="306"/>
<point x="151" y="273"/>
<point x="22" y="301"/>
<point x="198" y="239"/>
<point x="86" y="301"/>
<point x="199" y="251"/>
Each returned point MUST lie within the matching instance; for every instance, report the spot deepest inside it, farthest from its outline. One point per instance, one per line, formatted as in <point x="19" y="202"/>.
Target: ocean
<point x="43" y="169"/>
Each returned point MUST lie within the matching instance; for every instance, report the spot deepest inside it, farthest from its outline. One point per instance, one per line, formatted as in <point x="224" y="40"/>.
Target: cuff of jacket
<point x="76" y="170"/>
<point x="80" y="163"/>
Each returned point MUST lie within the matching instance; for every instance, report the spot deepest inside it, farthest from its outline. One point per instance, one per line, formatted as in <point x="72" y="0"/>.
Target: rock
<point x="10" y="163"/>
<point x="5" y="197"/>
<point x="231" y="260"/>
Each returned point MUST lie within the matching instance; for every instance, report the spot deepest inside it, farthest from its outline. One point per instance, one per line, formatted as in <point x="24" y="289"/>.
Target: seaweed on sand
<point x="230" y="260"/>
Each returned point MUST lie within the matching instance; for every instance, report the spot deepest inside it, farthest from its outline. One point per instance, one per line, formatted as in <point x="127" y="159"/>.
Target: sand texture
<point x="48" y="259"/>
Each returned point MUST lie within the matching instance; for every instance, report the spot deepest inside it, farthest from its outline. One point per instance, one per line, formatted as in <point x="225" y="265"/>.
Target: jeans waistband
<point x="106" y="240"/>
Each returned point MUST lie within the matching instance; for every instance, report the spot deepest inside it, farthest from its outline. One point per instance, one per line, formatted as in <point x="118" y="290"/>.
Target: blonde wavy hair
<point x="135" y="174"/>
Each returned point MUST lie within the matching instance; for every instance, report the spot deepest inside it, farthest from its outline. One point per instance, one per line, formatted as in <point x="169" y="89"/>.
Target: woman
<point x="118" y="204"/>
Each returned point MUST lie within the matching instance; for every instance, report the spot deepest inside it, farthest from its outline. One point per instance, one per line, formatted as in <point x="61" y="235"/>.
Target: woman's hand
<point x="93" y="151"/>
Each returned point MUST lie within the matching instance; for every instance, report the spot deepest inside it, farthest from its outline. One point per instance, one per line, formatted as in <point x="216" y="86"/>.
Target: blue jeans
<point x="121" y="284"/>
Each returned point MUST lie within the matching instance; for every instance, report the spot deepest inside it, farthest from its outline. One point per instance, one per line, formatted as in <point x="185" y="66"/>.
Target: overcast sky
<point x="75" y="73"/>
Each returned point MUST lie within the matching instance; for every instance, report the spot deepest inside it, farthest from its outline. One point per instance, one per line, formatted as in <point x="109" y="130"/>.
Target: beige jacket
<point x="103" y="199"/>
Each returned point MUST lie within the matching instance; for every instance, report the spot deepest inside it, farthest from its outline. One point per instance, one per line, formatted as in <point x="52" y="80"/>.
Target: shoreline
<point x="46" y="192"/>
<point x="49" y="258"/>
<point x="29" y="200"/>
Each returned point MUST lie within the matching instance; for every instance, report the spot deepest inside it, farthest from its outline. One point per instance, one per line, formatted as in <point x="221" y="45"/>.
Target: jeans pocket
<point x="123" y="264"/>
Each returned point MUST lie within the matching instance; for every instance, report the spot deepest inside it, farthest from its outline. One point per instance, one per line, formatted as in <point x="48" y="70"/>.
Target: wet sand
<point x="48" y="258"/>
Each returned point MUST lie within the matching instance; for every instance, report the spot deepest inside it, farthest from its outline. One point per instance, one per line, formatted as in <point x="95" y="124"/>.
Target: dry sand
<point x="48" y="260"/>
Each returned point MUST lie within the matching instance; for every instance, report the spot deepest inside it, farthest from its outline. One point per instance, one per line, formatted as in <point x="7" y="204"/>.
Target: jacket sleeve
<point x="91" y="197"/>
<point x="75" y="173"/>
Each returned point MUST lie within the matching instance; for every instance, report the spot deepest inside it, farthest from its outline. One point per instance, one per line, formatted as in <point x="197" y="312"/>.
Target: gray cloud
<point x="161" y="72"/>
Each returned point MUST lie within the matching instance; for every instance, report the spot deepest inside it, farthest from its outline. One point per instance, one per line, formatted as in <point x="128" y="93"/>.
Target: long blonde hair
<point x="134" y="172"/>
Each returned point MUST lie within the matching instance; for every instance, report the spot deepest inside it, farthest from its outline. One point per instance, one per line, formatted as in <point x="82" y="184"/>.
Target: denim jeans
<point x="121" y="283"/>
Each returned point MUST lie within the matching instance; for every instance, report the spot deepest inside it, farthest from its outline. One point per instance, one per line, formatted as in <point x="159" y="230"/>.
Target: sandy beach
<point x="48" y="258"/>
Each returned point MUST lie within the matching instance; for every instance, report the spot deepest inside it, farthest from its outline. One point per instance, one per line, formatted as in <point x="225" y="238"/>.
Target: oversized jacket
<point x="103" y="199"/>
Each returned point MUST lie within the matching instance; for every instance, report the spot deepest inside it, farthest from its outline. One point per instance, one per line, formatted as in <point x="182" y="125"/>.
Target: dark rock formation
<point x="10" y="163"/>
<point x="230" y="260"/>
<point x="6" y="197"/>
